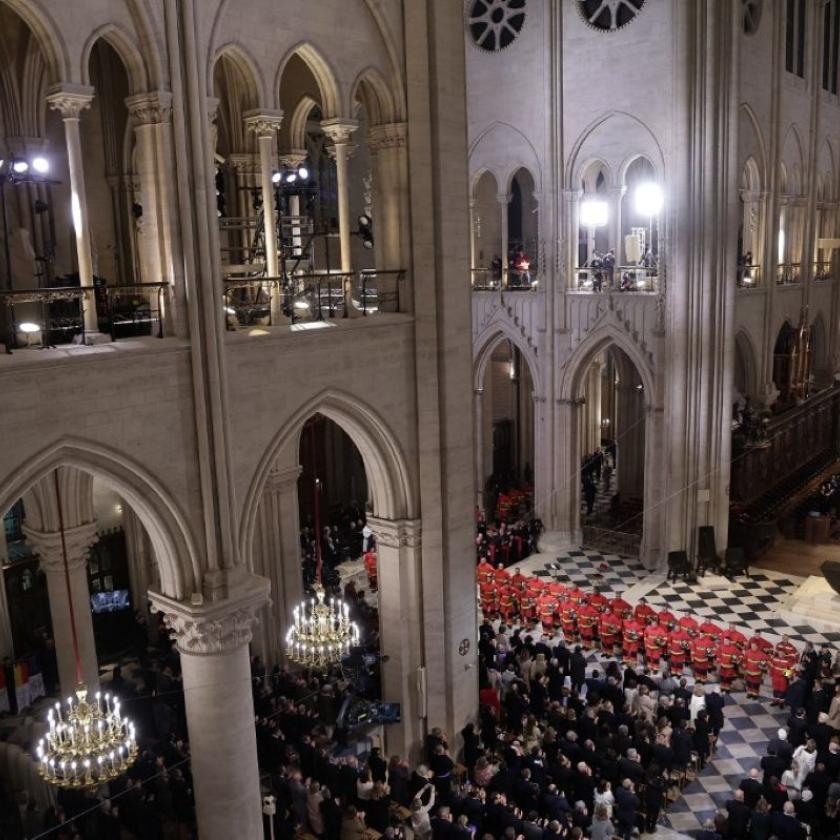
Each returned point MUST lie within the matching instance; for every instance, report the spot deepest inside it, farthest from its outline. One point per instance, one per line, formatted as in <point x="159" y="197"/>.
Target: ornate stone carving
<point x="70" y="100"/>
<point x="387" y="136"/>
<point x="294" y="158"/>
<point x="263" y="123"/>
<point x="217" y="627"/>
<point x="151" y="108"/>
<point x="396" y="533"/>
<point x="339" y="131"/>
<point x="212" y="104"/>
<point x="47" y="545"/>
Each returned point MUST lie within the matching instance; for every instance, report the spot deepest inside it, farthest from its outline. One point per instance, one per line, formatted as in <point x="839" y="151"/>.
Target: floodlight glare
<point x="593" y="213"/>
<point x="303" y="173"/>
<point x="41" y="165"/>
<point x="649" y="199"/>
<point x="276" y="177"/>
<point x="20" y="166"/>
<point x="28" y="327"/>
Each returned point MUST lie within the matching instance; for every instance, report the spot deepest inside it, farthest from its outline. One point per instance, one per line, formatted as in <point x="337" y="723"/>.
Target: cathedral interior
<point x="420" y="419"/>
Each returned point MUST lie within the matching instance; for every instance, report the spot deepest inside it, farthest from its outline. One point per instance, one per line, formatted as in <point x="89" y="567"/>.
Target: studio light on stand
<point x="649" y="200"/>
<point x="594" y="214"/>
<point x="365" y="231"/>
<point x="90" y="742"/>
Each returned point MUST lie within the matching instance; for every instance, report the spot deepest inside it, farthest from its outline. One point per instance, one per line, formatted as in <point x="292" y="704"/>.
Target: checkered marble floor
<point x="752" y="604"/>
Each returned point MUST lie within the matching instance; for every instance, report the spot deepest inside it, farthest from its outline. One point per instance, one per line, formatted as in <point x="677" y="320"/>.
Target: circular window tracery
<point x="609" y="15"/>
<point x="752" y="15"/>
<point x="494" y="24"/>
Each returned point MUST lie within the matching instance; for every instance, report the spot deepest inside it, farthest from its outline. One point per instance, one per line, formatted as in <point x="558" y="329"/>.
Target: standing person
<point x="627" y="805"/>
<point x="589" y="493"/>
<point x="755" y="664"/>
<point x="602" y="826"/>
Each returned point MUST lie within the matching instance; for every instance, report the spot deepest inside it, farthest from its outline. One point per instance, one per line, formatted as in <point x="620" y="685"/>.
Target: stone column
<point x="213" y="642"/>
<point x="265" y="124"/>
<point x="504" y="200"/>
<point x="631" y="441"/>
<point x="142" y="569"/>
<point x="293" y="160"/>
<point x="47" y="545"/>
<point x="70" y="101"/>
<point x="277" y="556"/>
<point x="340" y="132"/>
<point x="159" y="242"/>
<point x="472" y="237"/>
<point x="615" y="196"/>
<point x="7" y="647"/>
<point x="387" y="143"/>
<point x="478" y="420"/>
<point x="401" y="623"/>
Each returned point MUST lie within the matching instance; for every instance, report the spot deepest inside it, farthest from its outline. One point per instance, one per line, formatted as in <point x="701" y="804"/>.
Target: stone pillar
<point x="70" y="101"/>
<point x="159" y="243"/>
<point x="7" y="647"/>
<point x="615" y="196"/>
<point x="264" y="124"/>
<point x="387" y="143"/>
<point x="142" y="569"/>
<point x="213" y="642"/>
<point x="478" y="420"/>
<point x="631" y="441"/>
<point x="340" y="131"/>
<point x="277" y="556"/>
<point x="472" y="237"/>
<point x="293" y="160"/>
<point x="504" y="200"/>
<point x="401" y="623"/>
<point x="47" y="545"/>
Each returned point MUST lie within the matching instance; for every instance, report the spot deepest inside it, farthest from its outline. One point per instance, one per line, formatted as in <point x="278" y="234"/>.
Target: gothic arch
<point x="646" y="144"/>
<point x="388" y="476"/>
<point x="161" y="515"/>
<point x="745" y="354"/>
<point x="44" y="28"/>
<point x="372" y="90"/>
<point x="323" y="73"/>
<point x="476" y="179"/>
<point x="514" y="171"/>
<point x="516" y="149"/>
<point x="590" y="170"/>
<point x="128" y="51"/>
<point x="248" y="69"/>
<point x="827" y="171"/>
<point x="571" y="381"/>
<point x="489" y="340"/>
<point x="793" y="158"/>
<point x="297" y="123"/>
<point x="748" y="112"/>
<point x="629" y="161"/>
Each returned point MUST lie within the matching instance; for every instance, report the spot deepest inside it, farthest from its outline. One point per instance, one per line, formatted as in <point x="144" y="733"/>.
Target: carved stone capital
<point x="294" y="158"/>
<point x="212" y="104"/>
<point x="339" y="130"/>
<point x="387" y="136"/>
<point x="215" y="628"/>
<point x="47" y="545"/>
<point x="395" y="533"/>
<point x="70" y="100"/>
<point x="280" y="478"/>
<point x="153" y="108"/>
<point x="263" y="123"/>
<point x="245" y="162"/>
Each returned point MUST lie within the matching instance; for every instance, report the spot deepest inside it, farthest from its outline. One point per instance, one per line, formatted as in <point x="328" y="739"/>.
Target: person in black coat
<point x="739" y="816"/>
<point x="627" y="805"/>
<point x="751" y="787"/>
<point x="785" y="825"/>
<point x="577" y="668"/>
<point x="714" y="709"/>
<point x="654" y="796"/>
<point x="797" y="693"/>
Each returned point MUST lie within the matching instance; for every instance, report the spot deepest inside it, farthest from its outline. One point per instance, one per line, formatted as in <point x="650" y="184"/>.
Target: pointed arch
<point x="371" y="89"/>
<point x="249" y="72"/>
<point x="476" y="179"/>
<point x="644" y="142"/>
<point x="514" y="172"/>
<point x="489" y="339"/>
<point x="298" y="121"/>
<point x="513" y="151"/>
<point x="324" y="77"/>
<point x="389" y="481"/>
<point x="745" y="354"/>
<point x="160" y="513"/>
<point x="56" y="55"/>
<point x="591" y="169"/>
<point x="794" y="160"/>
<point x="571" y="380"/>
<point x="128" y="51"/>
<point x="751" y="176"/>
<point x="760" y="146"/>
<point x="827" y="171"/>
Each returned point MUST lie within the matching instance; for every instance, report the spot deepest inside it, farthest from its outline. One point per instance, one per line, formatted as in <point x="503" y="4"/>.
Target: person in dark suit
<point x="785" y="825"/>
<point x="739" y="816"/>
<point x="751" y="787"/>
<point x="577" y="668"/>
<point x="627" y="805"/>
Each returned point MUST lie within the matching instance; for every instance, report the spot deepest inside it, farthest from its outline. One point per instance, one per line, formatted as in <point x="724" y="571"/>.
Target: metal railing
<point x="822" y="271"/>
<point x="247" y="301"/>
<point x="60" y="316"/>
<point x="620" y="278"/>
<point x="788" y="274"/>
<point x="135" y="309"/>
<point x="317" y="297"/>
<point x="379" y="291"/>
<point x="488" y="280"/>
<point x="748" y="276"/>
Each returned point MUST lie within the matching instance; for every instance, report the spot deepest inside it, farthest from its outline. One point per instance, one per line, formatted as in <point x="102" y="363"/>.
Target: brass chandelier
<point x="322" y="633"/>
<point x="90" y="742"/>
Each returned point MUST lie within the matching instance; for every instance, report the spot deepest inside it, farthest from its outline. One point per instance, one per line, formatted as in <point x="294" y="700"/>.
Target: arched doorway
<point x="505" y="439"/>
<point x="487" y="245"/>
<point x="791" y="365"/>
<point x="523" y="231"/>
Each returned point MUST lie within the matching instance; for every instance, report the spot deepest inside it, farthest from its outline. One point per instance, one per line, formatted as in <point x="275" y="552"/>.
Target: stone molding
<point x="152" y="108"/>
<point x="47" y="545"/>
<point x="396" y="533"/>
<point x="387" y="136"/>
<point x="294" y="158"/>
<point x="245" y="162"/>
<point x="215" y="628"/>
<point x="70" y="100"/>
<point x="339" y="130"/>
<point x="263" y="123"/>
<point x="279" y="478"/>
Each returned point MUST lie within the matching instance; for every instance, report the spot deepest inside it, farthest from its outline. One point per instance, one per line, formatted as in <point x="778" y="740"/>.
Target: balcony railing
<point x="788" y="274"/>
<point x="748" y="276"/>
<point x="135" y="309"/>
<point x="621" y="278"/>
<point x="822" y="271"/>
<point x="58" y="318"/>
<point x="488" y="280"/>
<point x="247" y="301"/>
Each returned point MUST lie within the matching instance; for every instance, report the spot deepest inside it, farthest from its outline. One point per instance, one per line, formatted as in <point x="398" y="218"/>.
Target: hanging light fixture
<point x="322" y="632"/>
<point x="90" y="741"/>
